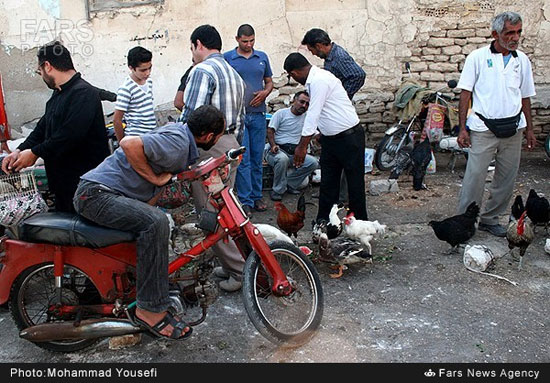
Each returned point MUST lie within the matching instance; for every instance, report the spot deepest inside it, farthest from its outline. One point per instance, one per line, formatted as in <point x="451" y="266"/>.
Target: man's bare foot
<point x="152" y="319"/>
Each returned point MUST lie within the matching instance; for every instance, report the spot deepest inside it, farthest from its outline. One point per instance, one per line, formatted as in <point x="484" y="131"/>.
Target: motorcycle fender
<point x="17" y="259"/>
<point x="22" y="255"/>
<point x="391" y="130"/>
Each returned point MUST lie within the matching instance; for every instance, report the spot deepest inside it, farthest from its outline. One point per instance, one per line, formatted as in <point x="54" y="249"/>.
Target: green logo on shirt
<point x="489" y="63"/>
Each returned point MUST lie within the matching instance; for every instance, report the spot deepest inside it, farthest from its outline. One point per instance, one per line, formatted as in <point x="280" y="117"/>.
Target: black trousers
<point x="345" y="152"/>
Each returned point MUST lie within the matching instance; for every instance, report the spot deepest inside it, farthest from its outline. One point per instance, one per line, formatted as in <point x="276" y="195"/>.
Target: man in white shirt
<point x="283" y="135"/>
<point x="499" y="79"/>
<point x="342" y="138"/>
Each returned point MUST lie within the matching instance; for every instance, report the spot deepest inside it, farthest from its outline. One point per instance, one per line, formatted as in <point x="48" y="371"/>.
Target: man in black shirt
<point x="71" y="135"/>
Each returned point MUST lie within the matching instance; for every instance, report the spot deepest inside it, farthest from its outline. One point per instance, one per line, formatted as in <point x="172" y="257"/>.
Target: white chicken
<point x="271" y="233"/>
<point x="363" y="231"/>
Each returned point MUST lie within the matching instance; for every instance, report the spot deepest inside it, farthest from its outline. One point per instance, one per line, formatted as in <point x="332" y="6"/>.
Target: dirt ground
<point x="416" y="303"/>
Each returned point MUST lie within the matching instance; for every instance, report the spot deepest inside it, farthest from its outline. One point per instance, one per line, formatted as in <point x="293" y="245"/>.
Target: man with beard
<point x="71" y="136"/>
<point x="499" y="80"/>
<point x="118" y="194"/>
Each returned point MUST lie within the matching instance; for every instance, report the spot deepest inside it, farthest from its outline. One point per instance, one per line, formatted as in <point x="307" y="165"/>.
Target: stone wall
<point x="433" y="35"/>
<point x="445" y="35"/>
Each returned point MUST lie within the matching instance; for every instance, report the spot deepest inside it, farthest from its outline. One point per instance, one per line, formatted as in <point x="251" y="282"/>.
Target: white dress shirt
<point x="330" y="109"/>
<point x="497" y="90"/>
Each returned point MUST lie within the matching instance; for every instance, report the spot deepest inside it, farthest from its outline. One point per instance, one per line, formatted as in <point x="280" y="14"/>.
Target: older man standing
<point x="342" y="140"/>
<point x="500" y="79"/>
<point x="253" y="66"/>
<point x="212" y="81"/>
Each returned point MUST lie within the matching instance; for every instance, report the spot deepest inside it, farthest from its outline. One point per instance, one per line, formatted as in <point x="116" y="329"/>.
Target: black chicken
<point x="421" y="156"/>
<point x="402" y="163"/>
<point x="538" y="209"/>
<point x="457" y="229"/>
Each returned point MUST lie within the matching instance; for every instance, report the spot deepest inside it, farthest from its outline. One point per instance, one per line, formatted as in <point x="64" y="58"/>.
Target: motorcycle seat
<point x="68" y="229"/>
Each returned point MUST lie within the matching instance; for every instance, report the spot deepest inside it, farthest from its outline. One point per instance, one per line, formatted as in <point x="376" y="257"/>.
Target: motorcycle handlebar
<point x="234" y="153"/>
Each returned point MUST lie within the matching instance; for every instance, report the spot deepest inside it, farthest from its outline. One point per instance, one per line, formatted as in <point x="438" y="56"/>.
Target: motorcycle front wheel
<point x="33" y="293"/>
<point x="386" y="153"/>
<point x="547" y="145"/>
<point x="290" y="320"/>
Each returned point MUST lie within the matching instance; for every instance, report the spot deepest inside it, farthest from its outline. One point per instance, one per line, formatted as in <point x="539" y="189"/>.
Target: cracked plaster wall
<point x="381" y="35"/>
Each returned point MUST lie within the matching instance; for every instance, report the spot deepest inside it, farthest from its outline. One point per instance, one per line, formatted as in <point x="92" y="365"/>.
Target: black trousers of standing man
<point x="345" y="150"/>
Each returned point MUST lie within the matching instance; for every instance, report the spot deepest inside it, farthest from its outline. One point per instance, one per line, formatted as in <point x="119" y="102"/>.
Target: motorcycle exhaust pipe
<point x="88" y="329"/>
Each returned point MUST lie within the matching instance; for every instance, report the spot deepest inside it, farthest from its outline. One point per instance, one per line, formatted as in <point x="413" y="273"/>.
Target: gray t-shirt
<point x="170" y="148"/>
<point x="288" y="126"/>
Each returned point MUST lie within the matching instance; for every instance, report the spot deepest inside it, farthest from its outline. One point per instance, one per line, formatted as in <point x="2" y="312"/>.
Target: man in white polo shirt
<point x="342" y="138"/>
<point x="499" y="80"/>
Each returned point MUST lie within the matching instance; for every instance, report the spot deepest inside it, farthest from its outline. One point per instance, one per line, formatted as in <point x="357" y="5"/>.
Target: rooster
<point x="421" y="155"/>
<point x="290" y="222"/>
<point x="333" y="228"/>
<point x="457" y="229"/>
<point x="363" y="231"/>
<point x="538" y="209"/>
<point x="342" y="251"/>
<point x="520" y="231"/>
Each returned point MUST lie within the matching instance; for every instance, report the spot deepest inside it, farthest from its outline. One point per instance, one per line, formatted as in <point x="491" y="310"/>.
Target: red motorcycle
<point x="70" y="282"/>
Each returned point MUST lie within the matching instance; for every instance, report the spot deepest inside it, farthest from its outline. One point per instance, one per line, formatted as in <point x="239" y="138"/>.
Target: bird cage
<point x="19" y="198"/>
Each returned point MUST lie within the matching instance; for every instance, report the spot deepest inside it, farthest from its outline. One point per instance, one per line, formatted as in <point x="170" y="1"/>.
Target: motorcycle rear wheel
<point x="386" y="153"/>
<point x="289" y="321"/>
<point x="34" y="291"/>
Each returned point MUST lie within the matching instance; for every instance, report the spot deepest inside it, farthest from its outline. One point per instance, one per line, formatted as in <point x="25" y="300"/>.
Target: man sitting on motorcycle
<point x="119" y="194"/>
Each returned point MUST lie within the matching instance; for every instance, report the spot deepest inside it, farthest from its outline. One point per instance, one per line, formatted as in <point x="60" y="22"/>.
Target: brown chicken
<point x="289" y="222"/>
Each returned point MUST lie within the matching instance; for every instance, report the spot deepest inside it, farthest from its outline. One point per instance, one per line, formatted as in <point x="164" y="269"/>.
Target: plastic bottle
<point x="431" y="166"/>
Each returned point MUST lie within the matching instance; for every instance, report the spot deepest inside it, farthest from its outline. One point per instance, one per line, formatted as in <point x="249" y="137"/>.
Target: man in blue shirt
<point x="253" y="66"/>
<point x="337" y="60"/>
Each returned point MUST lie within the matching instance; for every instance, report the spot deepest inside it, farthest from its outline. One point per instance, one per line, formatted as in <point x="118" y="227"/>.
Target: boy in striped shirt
<point x="134" y="104"/>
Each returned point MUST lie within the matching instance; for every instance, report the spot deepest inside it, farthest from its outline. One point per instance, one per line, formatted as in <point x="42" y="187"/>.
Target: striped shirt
<point x="215" y="82"/>
<point x="342" y="65"/>
<point x="137" y="105"/>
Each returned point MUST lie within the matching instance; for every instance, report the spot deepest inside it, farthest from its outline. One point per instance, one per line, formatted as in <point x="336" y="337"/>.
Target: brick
<point x="476" y="40"/>
<point x="431" y="51"/>
<point x="452" y="50"/>
<point x="462" y="33"/>
<point x="418" y="66"/>
<point x="437" y="42"/>
<point x="443" y="67"/>
<point x="457" y="58"/>
<point x="432" y="76"/>
<point x="460" y="42"/>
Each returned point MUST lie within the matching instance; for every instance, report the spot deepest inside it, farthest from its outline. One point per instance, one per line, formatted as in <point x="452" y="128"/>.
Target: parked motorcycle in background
<point x="420" y="110"/>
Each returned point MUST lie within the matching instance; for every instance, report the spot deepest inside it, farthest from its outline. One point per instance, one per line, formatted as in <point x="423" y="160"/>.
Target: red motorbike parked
<point x="70" y="282"/>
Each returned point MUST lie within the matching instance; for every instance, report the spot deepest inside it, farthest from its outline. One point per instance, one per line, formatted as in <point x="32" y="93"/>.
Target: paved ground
<point x="415" y="304"/>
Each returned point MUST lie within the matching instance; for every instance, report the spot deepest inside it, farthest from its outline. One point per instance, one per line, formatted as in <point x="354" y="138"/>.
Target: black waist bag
<point x="288" y="148"/>
<point x="502" y="127"/>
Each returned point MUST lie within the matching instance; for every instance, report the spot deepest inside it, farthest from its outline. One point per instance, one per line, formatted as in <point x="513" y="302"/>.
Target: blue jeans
<point x="151" y="228"/>
<point x="283" y="177"/>
<point x="249" y="172"/>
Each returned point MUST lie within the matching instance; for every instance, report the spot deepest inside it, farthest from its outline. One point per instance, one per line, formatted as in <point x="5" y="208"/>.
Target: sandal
<point x="259" y="205"/>
<point x="169" y="319"/>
